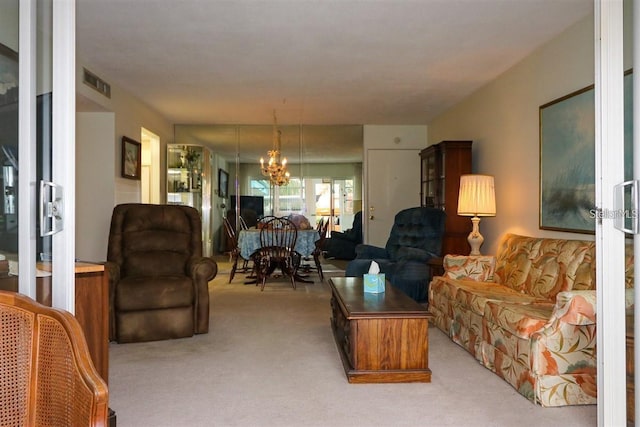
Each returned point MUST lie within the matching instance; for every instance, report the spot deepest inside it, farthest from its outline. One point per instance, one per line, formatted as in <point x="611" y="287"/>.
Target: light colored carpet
<point x="269" y="359"/>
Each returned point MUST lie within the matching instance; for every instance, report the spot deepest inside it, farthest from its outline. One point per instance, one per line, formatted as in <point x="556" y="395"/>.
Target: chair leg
<point x="234" y="267"/>
<point x="261" y="268"/>
<point x="290" y="268"/>
<point x="316" y="258"/>
<point x="265" y="271"/>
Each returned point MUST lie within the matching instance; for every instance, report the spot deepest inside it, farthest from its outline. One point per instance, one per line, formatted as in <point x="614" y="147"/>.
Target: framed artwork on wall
<point x="131" y="158"/>
<point x="567" y="159"/>
<point x="223" y="183"/>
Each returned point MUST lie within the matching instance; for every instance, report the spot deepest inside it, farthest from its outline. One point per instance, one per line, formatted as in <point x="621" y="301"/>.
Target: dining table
<point x="249" y="242"/>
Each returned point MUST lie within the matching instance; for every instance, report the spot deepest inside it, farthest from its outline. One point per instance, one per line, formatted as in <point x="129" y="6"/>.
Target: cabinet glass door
<point x="189" y="184"/>
<point x="184" y="176"/>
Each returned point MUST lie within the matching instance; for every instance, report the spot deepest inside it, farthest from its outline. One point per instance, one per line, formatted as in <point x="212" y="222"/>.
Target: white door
<point x="393" y="184"/>
<point x="43" y="148"/>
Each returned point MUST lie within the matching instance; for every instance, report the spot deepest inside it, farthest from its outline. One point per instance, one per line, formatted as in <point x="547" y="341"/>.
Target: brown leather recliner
<point x="158" y="278"/>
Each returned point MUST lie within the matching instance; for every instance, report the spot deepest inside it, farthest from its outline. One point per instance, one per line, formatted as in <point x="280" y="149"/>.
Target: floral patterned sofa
<point x="528" y="314"/>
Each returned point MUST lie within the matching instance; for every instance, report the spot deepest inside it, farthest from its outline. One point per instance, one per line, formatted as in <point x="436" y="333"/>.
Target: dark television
<point x="254" y="203"/>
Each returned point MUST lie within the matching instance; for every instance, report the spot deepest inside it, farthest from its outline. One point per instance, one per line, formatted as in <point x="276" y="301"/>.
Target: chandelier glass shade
<point x="275" y="169"/>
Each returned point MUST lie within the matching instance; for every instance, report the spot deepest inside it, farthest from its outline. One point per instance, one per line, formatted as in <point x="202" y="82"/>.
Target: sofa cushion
<point x="153" y="240"/>
<point x="141" y="293"/>
<point x="475" y="295"/>
<point x="554" y="265"/>
<point x="543" y="267"/>
<point x="480" y="268"/>
<point x="513" y="262"/>
<point x="520" y="319"/>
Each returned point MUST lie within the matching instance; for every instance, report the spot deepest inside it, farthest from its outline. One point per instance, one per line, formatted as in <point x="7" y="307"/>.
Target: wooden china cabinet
<point x="440" y="168"/>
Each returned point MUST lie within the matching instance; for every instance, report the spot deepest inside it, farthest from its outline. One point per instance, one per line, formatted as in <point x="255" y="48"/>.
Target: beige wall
<point x="502" y="120"/>
<point x="95" y="195"/>
<point x="101" y="123"/>
<point x="9" y="22"/>
<point x="384" y="136"/>
<point x="131" y="115"/>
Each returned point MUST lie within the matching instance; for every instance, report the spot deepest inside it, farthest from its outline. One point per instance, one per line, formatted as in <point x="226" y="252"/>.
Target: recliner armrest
<point x="113" y="274"/>
<point x="202" y="268"/>
<point x="113" y="271"/>
<point x="413" y="254"/>
<point x="339" y="235"/>
<point x="364" y="251"/>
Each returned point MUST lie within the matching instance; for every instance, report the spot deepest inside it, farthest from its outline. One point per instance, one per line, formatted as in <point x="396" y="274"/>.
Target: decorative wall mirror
<point x="324" y="162"/>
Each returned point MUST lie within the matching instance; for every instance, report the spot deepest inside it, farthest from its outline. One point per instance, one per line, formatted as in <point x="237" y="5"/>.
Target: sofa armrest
<point x="364" y="251"/>
<point x="575" y="308"/>
<point x="629" y="296"/>
<point x="479" y="268"/>
<point x="566" y="345"/>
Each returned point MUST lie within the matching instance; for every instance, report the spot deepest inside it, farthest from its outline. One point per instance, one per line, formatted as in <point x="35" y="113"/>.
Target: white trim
<point x="64" y="137"/>
<point x="27" y="207"/>
<point x="609" y="152"/>
<point x="636" y="175"/>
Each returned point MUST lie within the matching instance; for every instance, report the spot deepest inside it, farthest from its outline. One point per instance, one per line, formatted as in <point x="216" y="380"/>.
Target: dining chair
<point x="234" y="253"/>
<point x="243" y="224"/>
<point x="321" y="229"/>
<point x="277" y="239"/>
<point x="317" y="252"/>
<point x="265" y="219"/>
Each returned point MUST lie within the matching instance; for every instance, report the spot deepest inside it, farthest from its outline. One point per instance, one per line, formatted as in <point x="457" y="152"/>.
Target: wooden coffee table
<point x="381" y="338"/>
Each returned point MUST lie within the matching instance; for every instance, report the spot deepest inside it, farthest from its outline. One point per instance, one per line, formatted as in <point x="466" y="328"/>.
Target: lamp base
<point x="475" y="239"/>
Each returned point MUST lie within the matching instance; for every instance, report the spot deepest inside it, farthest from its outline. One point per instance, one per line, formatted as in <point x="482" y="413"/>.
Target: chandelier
<point x="275" y="169"/>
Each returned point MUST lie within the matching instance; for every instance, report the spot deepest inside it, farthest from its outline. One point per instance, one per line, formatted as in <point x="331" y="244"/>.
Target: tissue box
<point x="374" y="283"/>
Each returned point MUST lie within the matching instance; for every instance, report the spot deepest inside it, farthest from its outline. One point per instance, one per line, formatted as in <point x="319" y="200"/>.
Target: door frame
<point x="62" y="18"/>
<point x="610" y="242"/>
<point x="27" y="148"/>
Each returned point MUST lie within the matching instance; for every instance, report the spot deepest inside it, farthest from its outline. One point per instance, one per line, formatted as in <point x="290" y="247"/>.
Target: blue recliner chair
<point x="416" y="237"/>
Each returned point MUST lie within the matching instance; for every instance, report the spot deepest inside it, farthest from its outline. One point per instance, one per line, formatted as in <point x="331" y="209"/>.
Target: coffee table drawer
<point x="342" y="331"/>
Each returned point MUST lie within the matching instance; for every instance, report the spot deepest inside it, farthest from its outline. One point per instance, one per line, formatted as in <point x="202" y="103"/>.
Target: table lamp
<point x="476" y="198"/>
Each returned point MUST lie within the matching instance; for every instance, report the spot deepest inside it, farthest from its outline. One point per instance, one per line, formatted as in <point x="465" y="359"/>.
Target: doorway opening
<point x="150" y="167"/>
<point x="333" y="201"/>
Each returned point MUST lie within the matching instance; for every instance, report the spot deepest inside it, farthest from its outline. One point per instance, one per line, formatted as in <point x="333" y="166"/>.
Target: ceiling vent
<point x="96" y="83"/>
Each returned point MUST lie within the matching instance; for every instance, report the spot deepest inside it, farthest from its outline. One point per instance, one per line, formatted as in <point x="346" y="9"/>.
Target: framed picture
<point x="223" y="183"/>
<point x="131" y="158"/>
<point x="567" y="159"/>
<point x="8" y="76"/>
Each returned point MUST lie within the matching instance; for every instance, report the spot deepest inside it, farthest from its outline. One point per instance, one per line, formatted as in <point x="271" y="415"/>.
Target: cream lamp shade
<point x="476" y="198"/>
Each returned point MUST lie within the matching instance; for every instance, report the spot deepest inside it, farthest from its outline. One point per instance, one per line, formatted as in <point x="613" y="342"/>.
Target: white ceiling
<point x="314" y="61"/>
